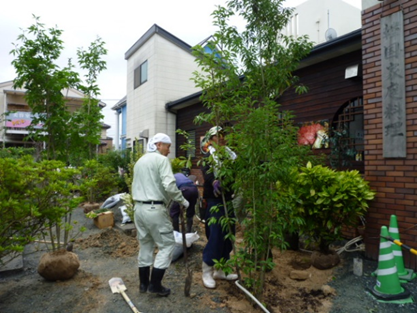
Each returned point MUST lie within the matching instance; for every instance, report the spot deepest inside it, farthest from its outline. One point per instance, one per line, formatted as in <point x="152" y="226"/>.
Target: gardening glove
<point x="217" y="189"/>
<point x="185" y="203"/>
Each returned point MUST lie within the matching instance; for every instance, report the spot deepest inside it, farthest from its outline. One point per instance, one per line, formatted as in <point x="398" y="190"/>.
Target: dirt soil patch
<point x="107" y="253"/>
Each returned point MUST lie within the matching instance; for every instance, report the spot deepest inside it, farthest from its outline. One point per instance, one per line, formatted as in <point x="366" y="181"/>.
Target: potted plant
<point x="103" y="218"/>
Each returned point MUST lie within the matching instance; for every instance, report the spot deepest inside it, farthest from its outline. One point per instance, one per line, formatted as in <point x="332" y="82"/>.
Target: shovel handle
<point x="132" y="306"/>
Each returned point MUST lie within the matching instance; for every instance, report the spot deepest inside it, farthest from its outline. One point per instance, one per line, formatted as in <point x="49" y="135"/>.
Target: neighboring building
<point x="106" y="143"/>
<point x="13" y="130"/>
<point x="323" y="20"/>
<point x="159" y="69"/>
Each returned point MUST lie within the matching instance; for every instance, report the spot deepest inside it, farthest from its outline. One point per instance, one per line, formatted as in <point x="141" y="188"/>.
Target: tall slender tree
<point x="242" y="77"/>
<point x="86" y="137"/>
<point x="36" y="63"/>
<point x="44" y="80"/>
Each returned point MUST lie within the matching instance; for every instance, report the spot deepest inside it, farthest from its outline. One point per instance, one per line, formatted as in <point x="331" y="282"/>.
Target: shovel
<point x="118" y="286"/>
<point x="188" y="279"/>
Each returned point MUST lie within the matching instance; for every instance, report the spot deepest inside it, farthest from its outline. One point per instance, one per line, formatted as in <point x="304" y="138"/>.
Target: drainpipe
<point x="176" y="126"/>
<point x="4" y="122"/>
<point x="117" y="130"/>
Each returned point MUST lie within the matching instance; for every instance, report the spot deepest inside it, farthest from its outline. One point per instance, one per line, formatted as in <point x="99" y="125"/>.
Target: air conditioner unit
<point x="144" y="133"/>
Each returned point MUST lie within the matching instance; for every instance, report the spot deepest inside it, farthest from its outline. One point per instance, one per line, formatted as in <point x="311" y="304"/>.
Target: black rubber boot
<point x="189" y="224"/>
<point x="176" y="223"/>
<point x="156" y="286"/>
<point x="143" y="279"/>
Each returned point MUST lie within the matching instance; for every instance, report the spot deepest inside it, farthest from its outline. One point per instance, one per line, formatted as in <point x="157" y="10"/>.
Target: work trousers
<point x="154" y="228"/>
<point x="217" y="246"/>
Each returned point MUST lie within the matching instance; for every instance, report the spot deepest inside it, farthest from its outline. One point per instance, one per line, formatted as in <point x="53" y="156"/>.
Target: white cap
<point x="159" y="137"/>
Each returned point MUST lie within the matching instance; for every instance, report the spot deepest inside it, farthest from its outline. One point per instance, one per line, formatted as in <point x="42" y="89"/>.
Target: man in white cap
<point x="153" y="187"/>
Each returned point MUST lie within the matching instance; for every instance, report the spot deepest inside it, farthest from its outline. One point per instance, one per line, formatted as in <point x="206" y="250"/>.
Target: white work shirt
<point x="153" y="180"/>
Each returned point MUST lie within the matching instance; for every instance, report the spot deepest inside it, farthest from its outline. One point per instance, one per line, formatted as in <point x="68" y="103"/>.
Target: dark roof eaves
<point x="341" y="45"/>
<point x="170" y="106"/>
<point x="350" y="39"/>
<point x="353" y="35"/>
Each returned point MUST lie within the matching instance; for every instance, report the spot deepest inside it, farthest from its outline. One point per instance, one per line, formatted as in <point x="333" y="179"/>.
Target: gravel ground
<point x="352" y="295"/>
<point x="105" y="255"/>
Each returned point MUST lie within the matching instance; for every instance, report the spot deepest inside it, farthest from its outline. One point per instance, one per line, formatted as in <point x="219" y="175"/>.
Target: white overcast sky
<point x="120" y="24"/>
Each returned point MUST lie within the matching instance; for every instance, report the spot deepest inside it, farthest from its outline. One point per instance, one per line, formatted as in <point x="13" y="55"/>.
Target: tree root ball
<point x="323" y="261"/>
<point x="58" y="265"/>
<point x="90" y="206"/>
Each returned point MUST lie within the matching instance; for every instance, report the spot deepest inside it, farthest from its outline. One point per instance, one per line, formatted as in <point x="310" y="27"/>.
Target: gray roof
<point x="121" y="103"/>
<point x="155" y="29"/>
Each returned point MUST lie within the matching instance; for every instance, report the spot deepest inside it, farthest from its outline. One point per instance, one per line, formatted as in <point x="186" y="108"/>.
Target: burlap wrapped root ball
<point x="58" y="265"/>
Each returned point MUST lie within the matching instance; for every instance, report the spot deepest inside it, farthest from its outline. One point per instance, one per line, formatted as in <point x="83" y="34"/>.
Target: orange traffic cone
<point x="404" y="274"/>
<point x="388" y="287"/>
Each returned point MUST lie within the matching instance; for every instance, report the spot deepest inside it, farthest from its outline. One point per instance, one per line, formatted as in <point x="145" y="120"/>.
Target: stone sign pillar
<point x="393" y="86"/>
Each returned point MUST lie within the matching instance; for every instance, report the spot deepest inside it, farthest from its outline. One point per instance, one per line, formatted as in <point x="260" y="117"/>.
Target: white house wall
<point x="170" y="69"/>
<point x="316" y="16"/>
<point x="139" y="115"/>
<point x="368" y="3"/>
<point x="9" y="98"/>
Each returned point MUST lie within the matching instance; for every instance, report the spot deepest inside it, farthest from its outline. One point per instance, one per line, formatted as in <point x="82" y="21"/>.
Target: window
<point x="140" y="75"/>
<point x="292" y="27"/>
<point x="295" y="25"/>
<point x="139" y="145"/>
<point x="347" y="140"/>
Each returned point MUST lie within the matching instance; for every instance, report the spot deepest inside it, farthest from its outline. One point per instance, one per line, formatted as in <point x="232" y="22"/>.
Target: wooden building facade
<point x="330" y="95"/>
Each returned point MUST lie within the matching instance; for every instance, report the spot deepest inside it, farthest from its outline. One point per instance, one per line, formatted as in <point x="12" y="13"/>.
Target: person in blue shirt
<point x="190" y="192"/>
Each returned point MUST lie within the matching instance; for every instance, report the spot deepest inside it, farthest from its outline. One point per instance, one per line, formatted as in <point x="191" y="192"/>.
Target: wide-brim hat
<point x="204" y="143"/>
<point x="213" y="131"/>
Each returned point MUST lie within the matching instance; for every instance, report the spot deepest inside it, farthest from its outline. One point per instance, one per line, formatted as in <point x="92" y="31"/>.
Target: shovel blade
<point x="117" y="285"/>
